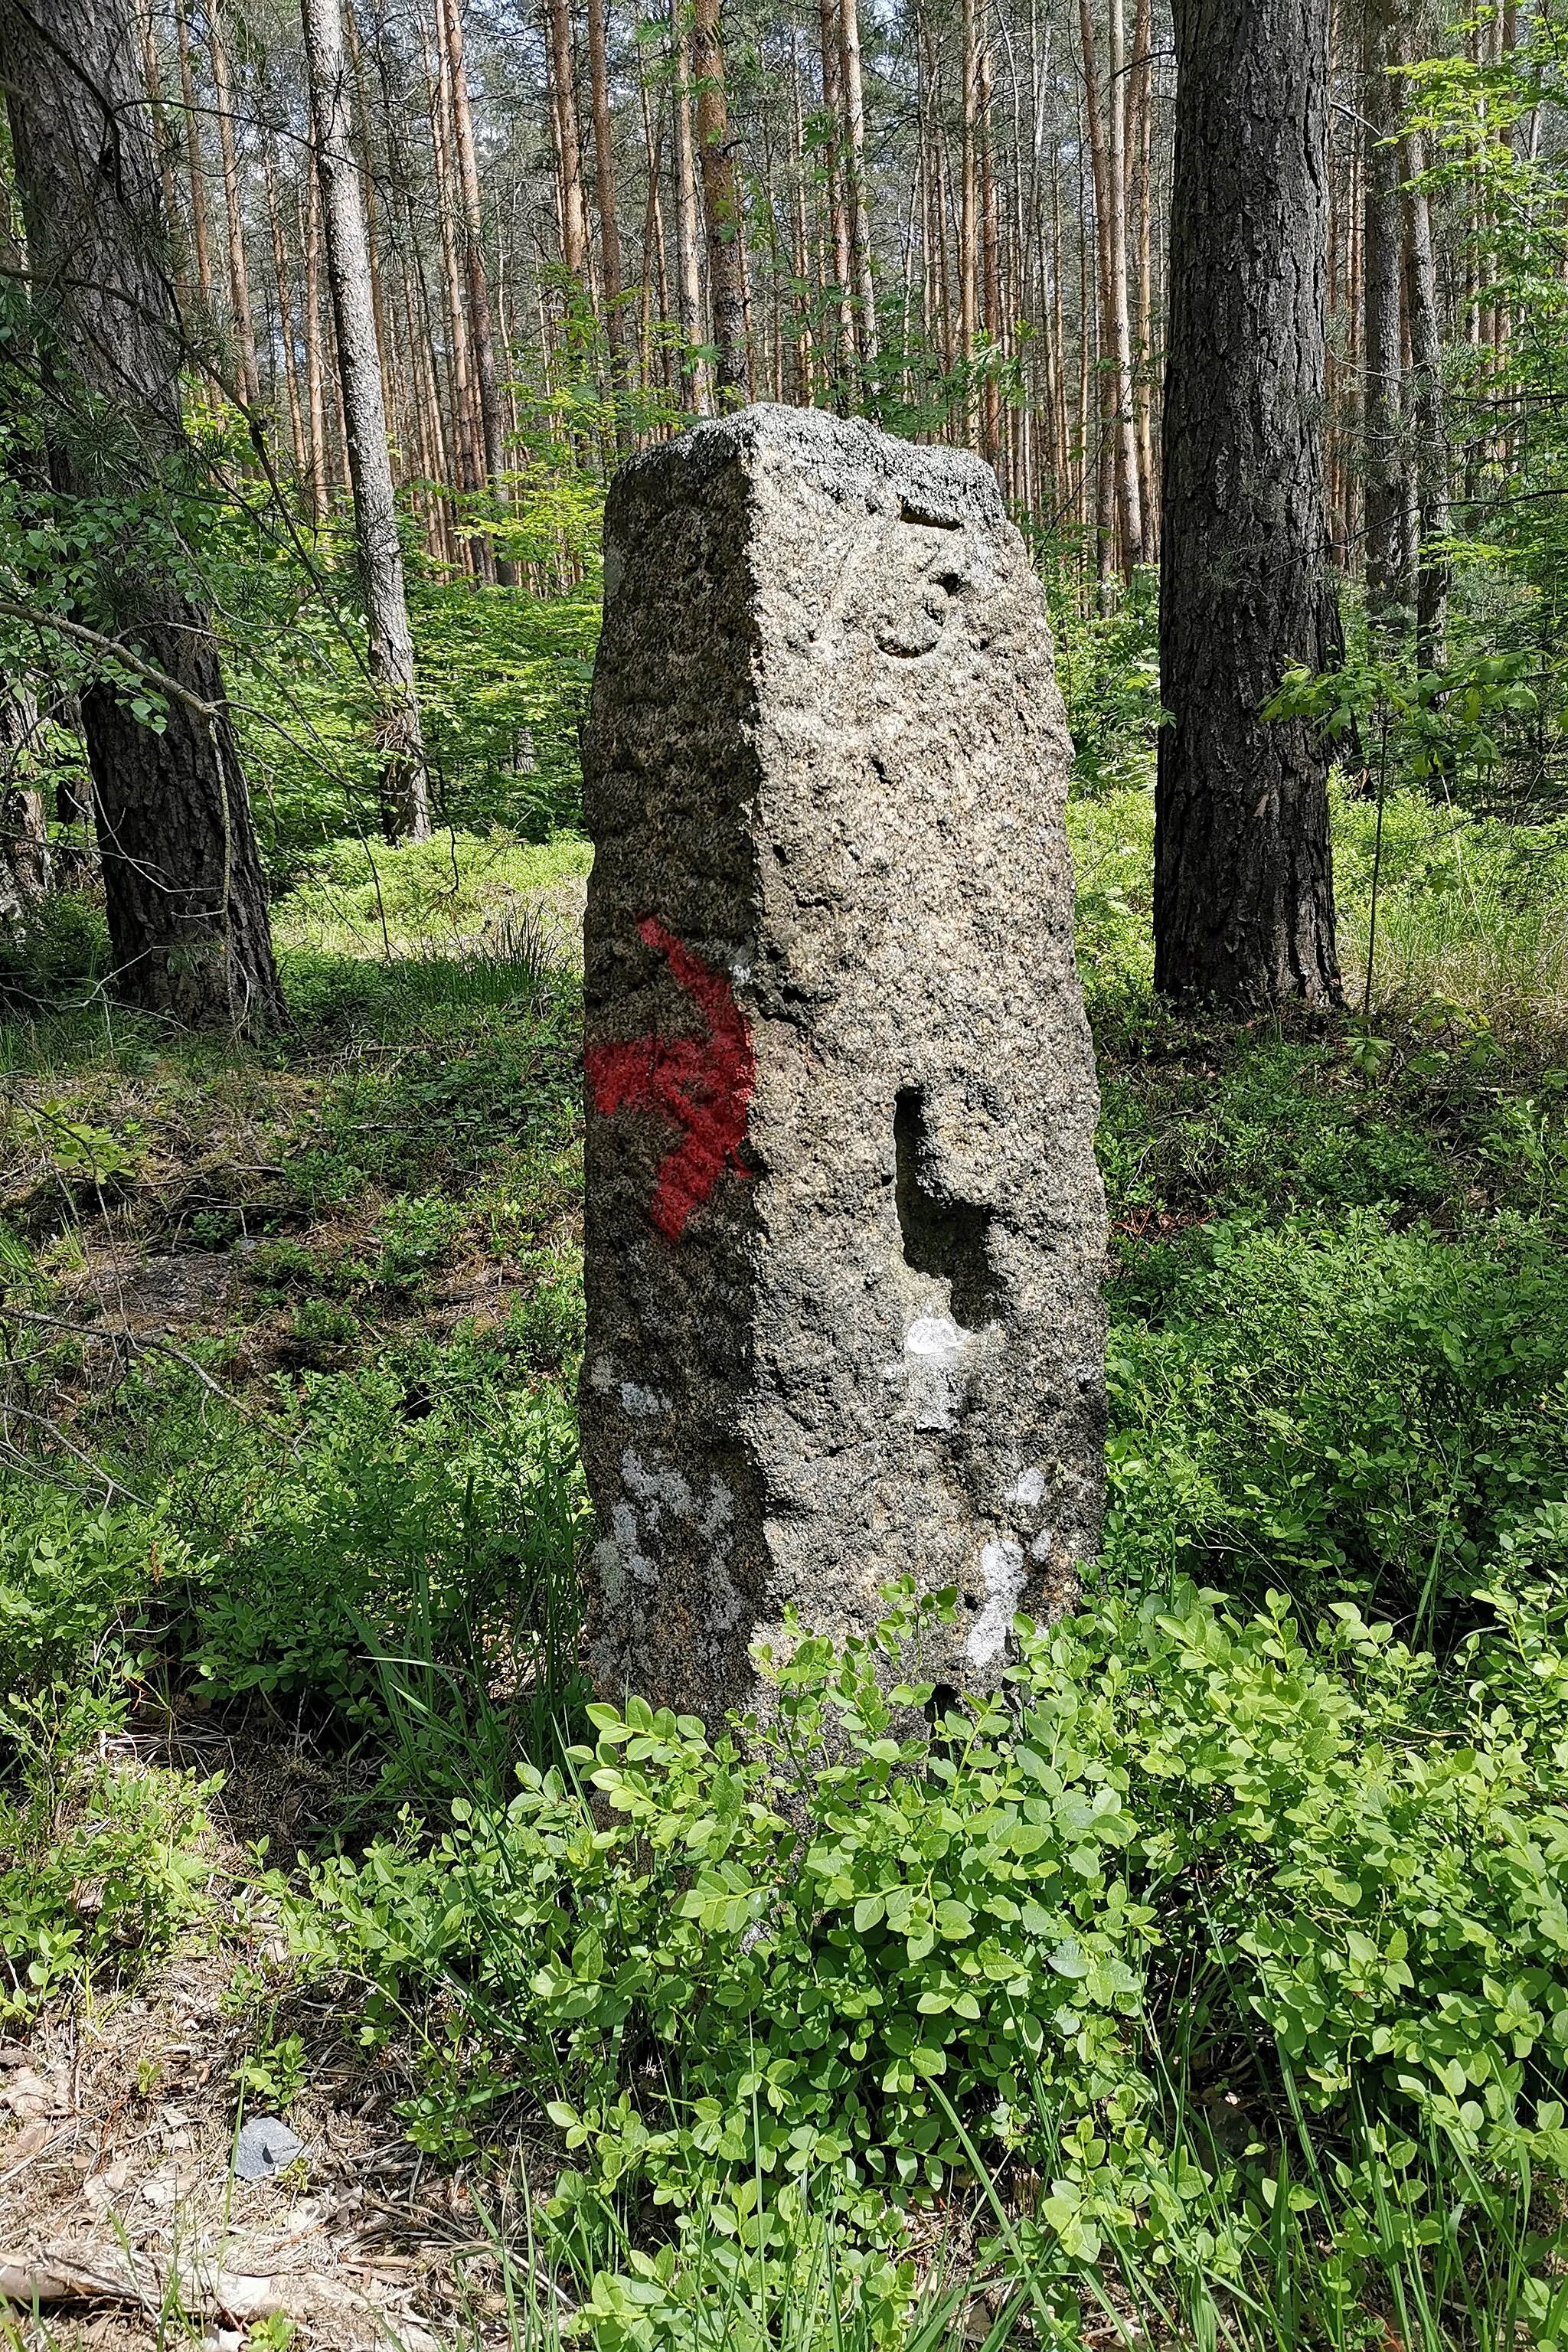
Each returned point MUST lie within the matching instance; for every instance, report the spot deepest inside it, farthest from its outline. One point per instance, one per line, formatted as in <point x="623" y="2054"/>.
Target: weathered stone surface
<point x="844" y="1225"/>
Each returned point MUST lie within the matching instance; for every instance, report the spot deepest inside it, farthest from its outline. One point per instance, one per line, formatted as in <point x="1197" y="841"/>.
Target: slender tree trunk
<point x="285" y="310"/>
<point x="315" y="372"/>
<point x="835" y="165"/>
<point x="199" y="240"/>
<point x="568" y="143"/>
<point x="1129" y="503"/>
<point x="25" y="869"/>
<point x="405" y="810"/>
<point x="1244" y="910"/>
<point x="804" y="355"/>
<point x="1431" y="434"/>
<point x="185" y="899"/>
<point x="855" y="176"/>
<point x="1388" y="556"/>
<point x="653" y="273"/>
<point x="467" y="439"/>
<point x="989" y="262"/>
<point x="969" y="206"/>
<point x="481" y="329"/>
<point x="609" y="215"/>
<point x="722" y="207"/>
<point x="687" y="228"/>
<point x="161" y="141"/>
<point x="1140" y="119"/>
<point x="238" y="275"/>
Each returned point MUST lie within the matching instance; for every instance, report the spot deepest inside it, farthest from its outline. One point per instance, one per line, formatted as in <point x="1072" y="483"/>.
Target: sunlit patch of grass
<point x="455" y="892"/>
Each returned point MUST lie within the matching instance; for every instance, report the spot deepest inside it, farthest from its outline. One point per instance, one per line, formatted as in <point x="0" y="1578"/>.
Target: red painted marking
<point x="701" y="1085"/>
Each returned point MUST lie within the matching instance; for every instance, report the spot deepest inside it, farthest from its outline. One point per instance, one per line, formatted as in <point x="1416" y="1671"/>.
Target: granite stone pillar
<point x="845" y="1229"/>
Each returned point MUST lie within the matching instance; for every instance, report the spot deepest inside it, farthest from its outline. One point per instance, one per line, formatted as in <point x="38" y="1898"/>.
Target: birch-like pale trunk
<point x="405" y="797"/>
<point x="855" y="178"/>
<point x="688" y="231"/>
<point x="238" y="275"/>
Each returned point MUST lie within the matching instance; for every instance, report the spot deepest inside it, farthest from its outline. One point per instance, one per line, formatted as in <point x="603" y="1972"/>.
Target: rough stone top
<point x="845" y="454"/>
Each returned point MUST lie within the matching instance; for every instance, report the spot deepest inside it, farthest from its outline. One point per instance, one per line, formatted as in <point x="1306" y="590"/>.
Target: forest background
<point x="1266" y="2031"/>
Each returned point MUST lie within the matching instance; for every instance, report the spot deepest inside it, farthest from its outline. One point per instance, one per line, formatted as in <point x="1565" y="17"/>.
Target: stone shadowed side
<point x="845" y="1231"/>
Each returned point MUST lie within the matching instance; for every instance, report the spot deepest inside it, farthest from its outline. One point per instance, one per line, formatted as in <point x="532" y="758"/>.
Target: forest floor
<point x="296" y="1330"/>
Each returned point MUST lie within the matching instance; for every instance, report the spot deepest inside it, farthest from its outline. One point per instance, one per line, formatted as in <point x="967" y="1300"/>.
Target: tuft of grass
<point x="455" y="892"/>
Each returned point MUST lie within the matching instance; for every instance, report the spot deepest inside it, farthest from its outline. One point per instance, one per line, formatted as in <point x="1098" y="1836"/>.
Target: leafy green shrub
<point x="400" y="1507"/>
<point x="1179" y="1853"/>
<point x="95" y="1874"/>
<point x="1343" y="1407"/>
<point x="69" y="1578"/>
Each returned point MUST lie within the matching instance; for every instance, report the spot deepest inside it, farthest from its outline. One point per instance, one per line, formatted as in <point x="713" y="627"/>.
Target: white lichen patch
<point x="935" y="1349"/>
<point x="1028" y="1489"/>
<point x="641" y="1404"/>
<point x="660" y="1487"/>
<point x="1002" y="1566"/>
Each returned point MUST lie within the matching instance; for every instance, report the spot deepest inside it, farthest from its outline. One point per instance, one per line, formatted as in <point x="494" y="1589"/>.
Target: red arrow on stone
<point x="701" y="1085"/>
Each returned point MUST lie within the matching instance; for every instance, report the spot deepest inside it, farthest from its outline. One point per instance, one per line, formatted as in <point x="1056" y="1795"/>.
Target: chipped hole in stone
<point x="942" y="1237"/>
<point x="927" y="518"/>
<point x="944" y="1697"/>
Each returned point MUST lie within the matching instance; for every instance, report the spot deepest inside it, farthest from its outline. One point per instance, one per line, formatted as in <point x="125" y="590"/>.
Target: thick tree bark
<point x="405" y="808"/>
<point x="1244" y="909"/>
<point x="24" y="866"/>
<point x="722" y="207"/>
<point x="187" y="902"/>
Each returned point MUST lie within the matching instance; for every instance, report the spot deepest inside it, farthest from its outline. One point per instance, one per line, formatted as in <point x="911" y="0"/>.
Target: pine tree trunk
<point x="990" y="258"/>
<point x="465" y="435"/>
<point x="25" y="862"/>
<point x="185" y="899"/>
<point x="1129" y="502"/>
<point x="969" y="206"/>
<point x="1244" y="910"/>
<point x="568" y="143"/>
<point x="481" y="328"/>
<point x="722" y="208"/>
<point x="161" y="140"/>
<point x="238" y="275"/>
<point x="1433" y="577"/>
<point x="855" y="177"/>
<point x="285" y="310"/>
<point x="315" y="371"/>
<point x="199" y="241"/>
<point x="687" y="229"/>
<point x="1141" y="142"/>
<point x="406" y="810"/>
<point x="836" y="170"/>
<point x="1388" y="556"/>
<point x="609" y="215"/>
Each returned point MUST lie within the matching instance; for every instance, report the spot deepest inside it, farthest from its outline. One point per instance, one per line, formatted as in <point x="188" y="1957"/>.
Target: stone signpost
<point x="844" y="1225"/>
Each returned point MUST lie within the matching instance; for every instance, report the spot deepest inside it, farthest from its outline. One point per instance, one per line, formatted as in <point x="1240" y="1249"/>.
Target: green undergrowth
<point x="1247" y="1945"/>
<point x="1211" y="1985"/>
